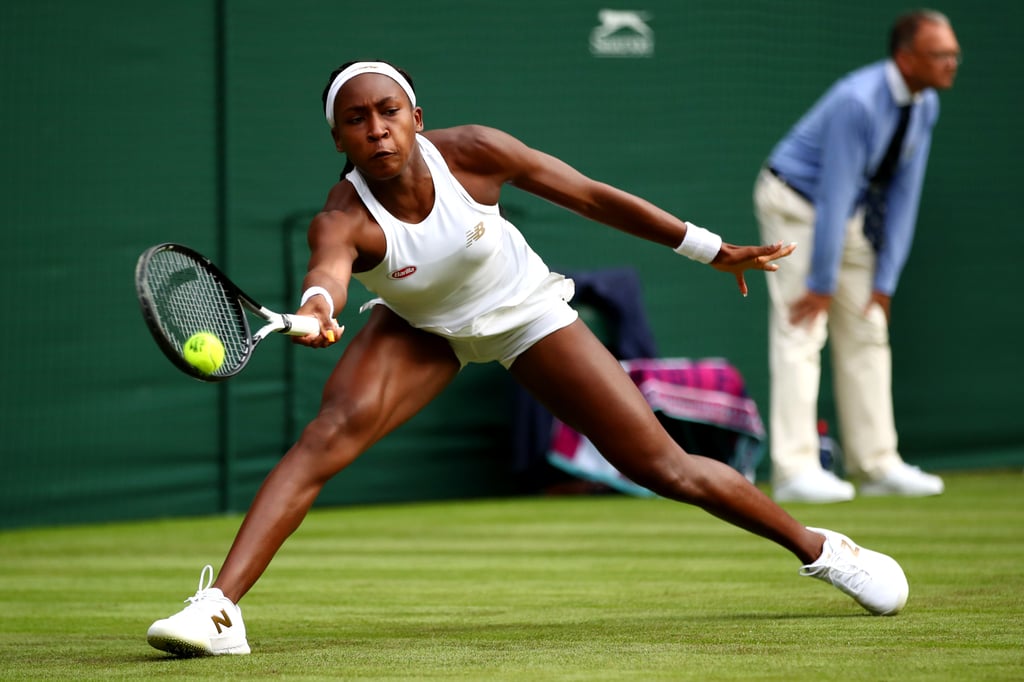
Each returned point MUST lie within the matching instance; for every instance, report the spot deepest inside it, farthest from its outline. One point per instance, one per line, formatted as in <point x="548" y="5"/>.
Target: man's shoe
<point x="905" y="480"/>
<point x="817" y="486"/>
<point x="873" y="579"/>
<point x="210" y="625"/>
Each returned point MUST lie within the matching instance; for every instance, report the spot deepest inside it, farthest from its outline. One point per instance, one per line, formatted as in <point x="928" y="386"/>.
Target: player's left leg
<point x="574" y="376"/>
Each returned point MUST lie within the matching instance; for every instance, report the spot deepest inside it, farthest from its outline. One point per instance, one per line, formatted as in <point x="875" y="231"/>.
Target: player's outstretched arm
<point x="496" y="155"/>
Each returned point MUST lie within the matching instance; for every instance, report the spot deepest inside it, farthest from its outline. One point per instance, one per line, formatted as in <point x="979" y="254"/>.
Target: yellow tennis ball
<point x="204" y="351"/>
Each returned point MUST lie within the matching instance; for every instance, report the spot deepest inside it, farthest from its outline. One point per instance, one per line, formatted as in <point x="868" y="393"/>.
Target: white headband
<point x="358" y="69"/>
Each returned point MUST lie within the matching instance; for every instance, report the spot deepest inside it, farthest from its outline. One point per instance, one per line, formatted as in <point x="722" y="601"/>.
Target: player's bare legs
<point x="387" y="374"/>
<point x="575" y="377"/>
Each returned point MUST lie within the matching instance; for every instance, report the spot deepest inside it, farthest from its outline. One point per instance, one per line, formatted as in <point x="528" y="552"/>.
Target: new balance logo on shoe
<point x="223" y="619"/>
<point x="853" y="549"/>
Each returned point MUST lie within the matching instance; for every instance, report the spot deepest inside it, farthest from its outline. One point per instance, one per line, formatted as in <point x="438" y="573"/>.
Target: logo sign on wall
<point x="622" y="33"/>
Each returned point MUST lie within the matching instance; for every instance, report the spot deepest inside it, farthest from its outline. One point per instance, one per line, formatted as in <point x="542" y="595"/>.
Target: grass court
<point x="572" y="588"/>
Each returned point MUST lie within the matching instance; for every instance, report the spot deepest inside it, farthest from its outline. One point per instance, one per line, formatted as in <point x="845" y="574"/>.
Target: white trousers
<point x="859" y="343"/>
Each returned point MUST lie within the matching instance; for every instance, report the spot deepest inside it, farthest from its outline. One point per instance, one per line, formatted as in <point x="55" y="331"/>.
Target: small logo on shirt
<point x="403" y="272"/>
<point x="474" y="233"/>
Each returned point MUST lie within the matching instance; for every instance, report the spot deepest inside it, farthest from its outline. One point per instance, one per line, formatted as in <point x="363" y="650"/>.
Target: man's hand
<point x="808" y="307"/>
<point x="884" y="301"/>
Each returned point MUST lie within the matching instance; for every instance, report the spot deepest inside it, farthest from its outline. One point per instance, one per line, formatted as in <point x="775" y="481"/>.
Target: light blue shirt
<point x="832" y="152"/>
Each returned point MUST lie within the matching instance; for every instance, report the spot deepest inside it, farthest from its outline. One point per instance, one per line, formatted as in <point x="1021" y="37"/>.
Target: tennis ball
<point x="204" y="351"/>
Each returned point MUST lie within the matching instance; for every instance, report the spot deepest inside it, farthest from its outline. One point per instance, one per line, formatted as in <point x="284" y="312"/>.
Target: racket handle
<point x="301" y="325"/>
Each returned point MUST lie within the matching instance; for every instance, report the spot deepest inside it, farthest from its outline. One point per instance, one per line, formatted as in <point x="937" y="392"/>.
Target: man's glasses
<point x="948" y="56"/>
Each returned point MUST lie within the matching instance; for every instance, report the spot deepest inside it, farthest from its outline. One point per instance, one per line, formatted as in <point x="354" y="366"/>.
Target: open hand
<point x="739" y="259"/>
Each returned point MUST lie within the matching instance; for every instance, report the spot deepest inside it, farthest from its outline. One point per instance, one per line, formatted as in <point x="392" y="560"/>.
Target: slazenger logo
<point x="622" y="33"/>
<point x="403" y="272"/>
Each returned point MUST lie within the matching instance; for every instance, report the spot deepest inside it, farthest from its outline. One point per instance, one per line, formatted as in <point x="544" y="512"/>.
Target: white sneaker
<point x="873" y="579"/>
<point x="817" y="486"/>
<point x="905" y="480"/>
<point x="210" y="625"/>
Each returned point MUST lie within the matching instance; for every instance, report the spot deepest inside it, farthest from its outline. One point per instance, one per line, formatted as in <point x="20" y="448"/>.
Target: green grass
<point x="596" y="588"/>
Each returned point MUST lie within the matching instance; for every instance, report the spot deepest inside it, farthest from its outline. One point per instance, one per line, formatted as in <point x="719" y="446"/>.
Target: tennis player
<point x="415" y="218"/>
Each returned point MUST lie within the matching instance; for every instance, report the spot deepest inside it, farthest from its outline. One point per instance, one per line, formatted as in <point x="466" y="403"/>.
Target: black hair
<point x="905" y="28"/>
<point x="334" y="74"/>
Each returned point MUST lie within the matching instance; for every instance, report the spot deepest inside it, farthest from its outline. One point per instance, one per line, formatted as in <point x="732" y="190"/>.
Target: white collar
<point x="898" y="87"/>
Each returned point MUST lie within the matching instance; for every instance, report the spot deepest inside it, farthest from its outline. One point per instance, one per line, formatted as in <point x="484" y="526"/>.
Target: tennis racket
<point x="182" y="292"/>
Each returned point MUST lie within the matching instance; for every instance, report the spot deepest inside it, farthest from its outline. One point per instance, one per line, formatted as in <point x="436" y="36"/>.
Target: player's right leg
<point x="387" y="374"/>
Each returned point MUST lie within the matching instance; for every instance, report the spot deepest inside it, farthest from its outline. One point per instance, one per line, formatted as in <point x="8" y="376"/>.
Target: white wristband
<point x="317" y="291"/>
<point x="699" y="244"/>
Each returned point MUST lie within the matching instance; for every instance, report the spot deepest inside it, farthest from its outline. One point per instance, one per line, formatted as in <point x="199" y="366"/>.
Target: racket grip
<point x="301" y="325"/>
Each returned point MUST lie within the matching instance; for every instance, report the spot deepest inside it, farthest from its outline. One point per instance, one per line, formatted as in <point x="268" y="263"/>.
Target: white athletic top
<point x="463" y="261"/>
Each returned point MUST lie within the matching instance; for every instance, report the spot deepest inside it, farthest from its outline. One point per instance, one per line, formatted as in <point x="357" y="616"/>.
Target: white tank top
<point x="462" y="261"/>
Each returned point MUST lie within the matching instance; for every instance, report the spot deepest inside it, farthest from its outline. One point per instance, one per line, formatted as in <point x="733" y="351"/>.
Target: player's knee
<point x="666" y="474"/>
<point x="341" y="431"/>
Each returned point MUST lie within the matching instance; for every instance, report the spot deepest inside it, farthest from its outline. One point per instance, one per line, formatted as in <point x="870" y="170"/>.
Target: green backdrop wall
<point x="123" y="124"/>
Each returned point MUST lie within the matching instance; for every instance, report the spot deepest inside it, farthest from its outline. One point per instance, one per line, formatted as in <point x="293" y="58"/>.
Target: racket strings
<point x="189" y="299"/>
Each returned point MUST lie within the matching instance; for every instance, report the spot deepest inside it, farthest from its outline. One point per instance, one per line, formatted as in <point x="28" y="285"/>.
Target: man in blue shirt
<point x="833" y="166"/>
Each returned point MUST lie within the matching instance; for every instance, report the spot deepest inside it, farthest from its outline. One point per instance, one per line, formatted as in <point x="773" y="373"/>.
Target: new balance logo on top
<point x="474" y="233"/>
<point x="223" y="619"/>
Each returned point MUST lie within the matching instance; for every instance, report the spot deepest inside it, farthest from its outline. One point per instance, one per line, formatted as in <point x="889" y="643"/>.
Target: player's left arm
<point x="510" y="161"/>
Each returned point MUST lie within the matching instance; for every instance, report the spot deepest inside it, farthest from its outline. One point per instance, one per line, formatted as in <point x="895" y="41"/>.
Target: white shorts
<point x="505" y="333"/>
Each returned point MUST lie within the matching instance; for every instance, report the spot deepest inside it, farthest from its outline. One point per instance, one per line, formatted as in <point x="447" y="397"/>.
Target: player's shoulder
<point x="468" y="139"/>
<point x="342" y="196"/>
<point x="476" y="148"/>
<point x="342" y="209"/>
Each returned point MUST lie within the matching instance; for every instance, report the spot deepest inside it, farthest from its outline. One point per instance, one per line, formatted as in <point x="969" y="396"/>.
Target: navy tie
<point x="878" y="186"/>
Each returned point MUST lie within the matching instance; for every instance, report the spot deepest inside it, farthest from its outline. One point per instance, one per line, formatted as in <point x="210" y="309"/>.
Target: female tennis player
<point x="415" y="218"/>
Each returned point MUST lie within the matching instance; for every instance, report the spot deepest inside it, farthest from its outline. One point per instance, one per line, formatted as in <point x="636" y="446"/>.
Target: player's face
<point x="376" y="125"/>
<point x="933" y="58"/>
